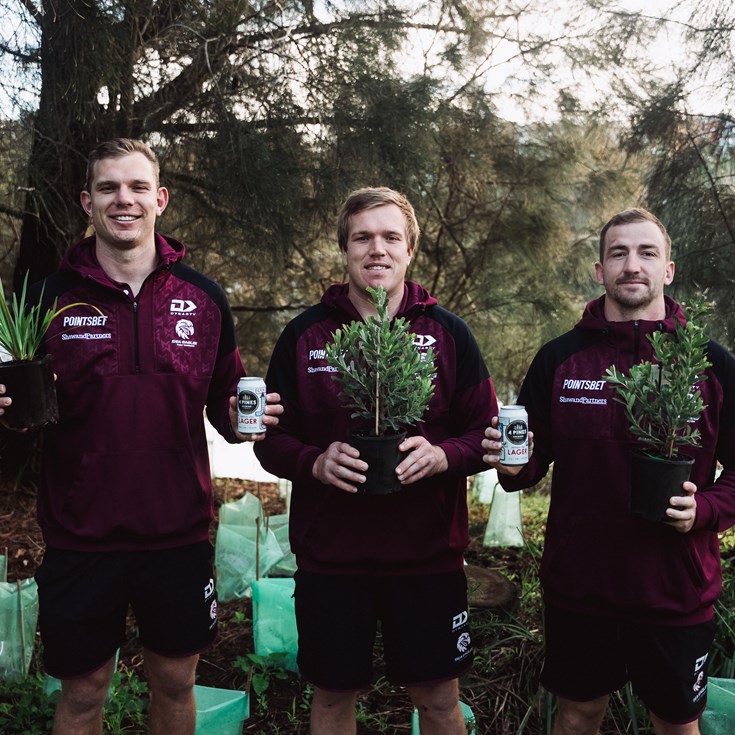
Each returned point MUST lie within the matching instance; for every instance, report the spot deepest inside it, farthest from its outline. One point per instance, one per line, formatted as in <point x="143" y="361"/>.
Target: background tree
<point x="682" y="128"/>
<point x="266" y="115"/>
<point x="198" y="76"/>
<point x="691" y="185"/>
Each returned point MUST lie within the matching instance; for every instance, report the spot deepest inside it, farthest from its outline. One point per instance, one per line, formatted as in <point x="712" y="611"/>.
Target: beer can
<point x="250" y="405"/>
<point x="513" y="427"/>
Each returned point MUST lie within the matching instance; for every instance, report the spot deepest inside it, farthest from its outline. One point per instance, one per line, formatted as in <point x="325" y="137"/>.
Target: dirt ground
<point x="284" y="706"/>
<point x="21" y="542"/>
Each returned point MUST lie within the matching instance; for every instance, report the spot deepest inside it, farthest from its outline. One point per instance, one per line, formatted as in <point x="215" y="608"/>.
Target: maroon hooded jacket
<point x="423" y="527"/>
<point x="127" y="466"/>
<point x="598" y="559"/>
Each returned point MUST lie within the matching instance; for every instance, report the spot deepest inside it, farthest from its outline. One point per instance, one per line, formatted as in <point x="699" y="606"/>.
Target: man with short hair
<point x="393" y="559"/>
<point x="626" y="599"/>
<point x="125" y="499"/>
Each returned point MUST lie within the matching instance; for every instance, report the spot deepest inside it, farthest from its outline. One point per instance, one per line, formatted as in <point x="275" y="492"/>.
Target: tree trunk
<point x="68" y="124"/>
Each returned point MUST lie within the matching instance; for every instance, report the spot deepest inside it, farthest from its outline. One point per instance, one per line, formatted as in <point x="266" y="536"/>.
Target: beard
<point x="643" y="295"/>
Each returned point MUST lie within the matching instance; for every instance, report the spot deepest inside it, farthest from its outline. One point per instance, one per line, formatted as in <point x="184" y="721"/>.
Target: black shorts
<point x="423" y="621"/>
<point x="589" y="656"/>
<point x="84" y="599"/>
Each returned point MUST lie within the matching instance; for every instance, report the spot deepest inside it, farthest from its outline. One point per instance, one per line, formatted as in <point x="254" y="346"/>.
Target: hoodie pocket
<point x="138" y="493"/>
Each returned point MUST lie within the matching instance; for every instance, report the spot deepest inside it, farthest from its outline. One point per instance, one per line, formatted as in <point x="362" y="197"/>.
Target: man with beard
<point x="625" y="599"/>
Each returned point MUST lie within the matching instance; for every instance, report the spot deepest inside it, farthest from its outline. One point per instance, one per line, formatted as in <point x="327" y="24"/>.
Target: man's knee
<point x="333" y="701"/>
<point x="579" y="718"/>
<point x="436" y="701"/>
<point x="85" y="696"/>
<point x="333" y="712"/>
<point x="173" y="678"/>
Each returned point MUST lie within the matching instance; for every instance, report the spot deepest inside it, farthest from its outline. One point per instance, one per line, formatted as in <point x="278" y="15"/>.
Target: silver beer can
<point x="250" y="405"/>
<point x="513" y="427"/>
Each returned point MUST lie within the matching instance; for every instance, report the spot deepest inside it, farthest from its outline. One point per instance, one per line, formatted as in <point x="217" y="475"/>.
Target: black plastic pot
<point x="653" y="481"/>
<point x="30" y="383"/>
<point x="382" y="456"/>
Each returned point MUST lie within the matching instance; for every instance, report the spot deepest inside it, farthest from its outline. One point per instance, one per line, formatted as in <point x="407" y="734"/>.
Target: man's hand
<point x="492" y="445"/>
<point x="340" y="466"/>
<point x="273" y="409"/>
<point x="6" y="401"/>
<point x="424" y="460"/>
<point x="684" y="512"/>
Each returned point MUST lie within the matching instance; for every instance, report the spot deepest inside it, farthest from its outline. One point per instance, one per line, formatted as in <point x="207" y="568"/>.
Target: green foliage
<point x="688" y="179"/>
<point x="662" y="402"/>
<point x="382" y="373"/>
<point x="288" y="107"/>
<point x="722" y="657"/>
<point x="126" y="707"/>
<point x="24" y="708"/>
<point x="22" y="326"/>
<point x="265" y="670"/>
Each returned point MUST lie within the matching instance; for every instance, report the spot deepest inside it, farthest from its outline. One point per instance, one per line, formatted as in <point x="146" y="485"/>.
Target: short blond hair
<point x="369" y="198"/>
<point x="116" y="148"/>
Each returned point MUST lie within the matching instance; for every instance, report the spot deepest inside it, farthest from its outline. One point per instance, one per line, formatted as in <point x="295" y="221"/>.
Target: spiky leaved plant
<point x="383" y="375"/>
<point x="661" y="398"/>
<point x="23" y="326"/>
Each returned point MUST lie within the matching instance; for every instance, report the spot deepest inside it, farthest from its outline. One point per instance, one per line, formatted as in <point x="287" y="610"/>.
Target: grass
<point x="722" y="657"/>
<point x="25" y="708"/>
<point x="502" y="688"/>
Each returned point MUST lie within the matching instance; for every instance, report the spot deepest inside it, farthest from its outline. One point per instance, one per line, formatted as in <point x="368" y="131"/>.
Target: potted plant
<point x="662" y="404"/>
<point x="387" y="381"/>
<point x="28" y="377"/>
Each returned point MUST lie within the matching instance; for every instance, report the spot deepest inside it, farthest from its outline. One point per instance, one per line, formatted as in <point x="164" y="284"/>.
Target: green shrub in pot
<point x="663" y="403"/>
<point x="386" y="380"/>
<point x="28" y="376"/>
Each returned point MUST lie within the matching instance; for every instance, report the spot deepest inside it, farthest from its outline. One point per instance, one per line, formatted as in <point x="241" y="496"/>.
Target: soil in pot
<point x="653" y="481"/>
<point x="382" y="456"/>
<point x="31" y="386"/>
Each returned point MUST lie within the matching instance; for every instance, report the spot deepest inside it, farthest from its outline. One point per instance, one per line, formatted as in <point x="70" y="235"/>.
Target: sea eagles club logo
<point x="184" y="328"/>
<point x="463" y="643"/>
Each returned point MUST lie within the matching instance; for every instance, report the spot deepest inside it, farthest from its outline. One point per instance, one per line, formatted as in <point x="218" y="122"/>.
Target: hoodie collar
<point x="81" y="257"/>
<point x="593" y="318"/>
<point x="415" y="299"/>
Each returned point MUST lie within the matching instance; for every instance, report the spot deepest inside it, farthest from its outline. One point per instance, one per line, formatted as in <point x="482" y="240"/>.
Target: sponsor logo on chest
<point x="182" y="306"/>
<point x="423" y="342"/>
<point x="317" y="362"/>
<point x="70" y="323"/>
<point x="584" y="391"/>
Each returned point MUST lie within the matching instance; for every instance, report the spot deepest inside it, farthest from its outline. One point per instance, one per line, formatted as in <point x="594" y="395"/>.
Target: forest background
<point x="515" y="127"/>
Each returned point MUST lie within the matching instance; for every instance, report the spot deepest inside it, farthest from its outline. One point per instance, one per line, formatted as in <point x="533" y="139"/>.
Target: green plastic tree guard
<point x="719" y="716"/>
<point x="220" y="711"/>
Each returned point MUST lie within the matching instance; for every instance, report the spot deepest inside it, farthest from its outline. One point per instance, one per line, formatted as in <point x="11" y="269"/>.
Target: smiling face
<point x="123" y="201"/>
<point x="377" y="254"/>
<point x="634" y="270"/>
